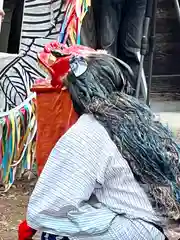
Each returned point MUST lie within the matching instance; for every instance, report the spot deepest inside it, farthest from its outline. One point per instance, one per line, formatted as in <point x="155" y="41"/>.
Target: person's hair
<point x="149" y="148"/>
<point x="105" y="74"/>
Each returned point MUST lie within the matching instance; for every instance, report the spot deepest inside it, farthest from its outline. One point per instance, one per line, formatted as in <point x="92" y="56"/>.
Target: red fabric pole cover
<point x="55" y="115"/>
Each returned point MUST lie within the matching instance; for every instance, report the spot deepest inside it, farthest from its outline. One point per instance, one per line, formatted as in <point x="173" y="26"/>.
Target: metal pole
<point x="1" y="9"/>
<point x="144" y="44"/>
<point x="177" y="6"/>
<point x="152" y="44"/>
<point x="139" y="76"/>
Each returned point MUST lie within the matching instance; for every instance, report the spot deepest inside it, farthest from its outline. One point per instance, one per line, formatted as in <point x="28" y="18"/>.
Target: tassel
<point x="73" y="18"/>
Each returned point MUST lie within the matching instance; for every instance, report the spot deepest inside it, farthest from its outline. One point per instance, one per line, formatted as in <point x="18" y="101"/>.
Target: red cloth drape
<point x="55" y="115"/>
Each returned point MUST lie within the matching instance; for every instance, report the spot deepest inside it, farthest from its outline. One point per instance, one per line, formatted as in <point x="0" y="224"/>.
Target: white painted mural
<point x="41" y="23"/>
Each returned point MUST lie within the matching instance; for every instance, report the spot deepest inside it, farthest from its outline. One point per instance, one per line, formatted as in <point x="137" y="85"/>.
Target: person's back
<point x="116" y="186"/>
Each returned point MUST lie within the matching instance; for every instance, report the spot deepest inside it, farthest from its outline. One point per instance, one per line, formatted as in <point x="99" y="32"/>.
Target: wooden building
<point x="166" y="68"/>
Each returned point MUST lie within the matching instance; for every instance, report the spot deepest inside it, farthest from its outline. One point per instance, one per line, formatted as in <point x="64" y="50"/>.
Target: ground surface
<point x="13" y="208"/>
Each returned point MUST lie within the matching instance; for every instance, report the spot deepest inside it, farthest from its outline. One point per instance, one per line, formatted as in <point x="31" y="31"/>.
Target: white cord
<point x="16" y="109"/>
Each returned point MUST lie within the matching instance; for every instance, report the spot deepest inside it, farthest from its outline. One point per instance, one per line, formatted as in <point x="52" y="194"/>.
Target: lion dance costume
<point x="148" y="147"/>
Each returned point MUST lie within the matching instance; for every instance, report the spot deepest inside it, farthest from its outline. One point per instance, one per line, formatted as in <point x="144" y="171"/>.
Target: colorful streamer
<point x="73" y="17"/>
<point x="17" y="141"/>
